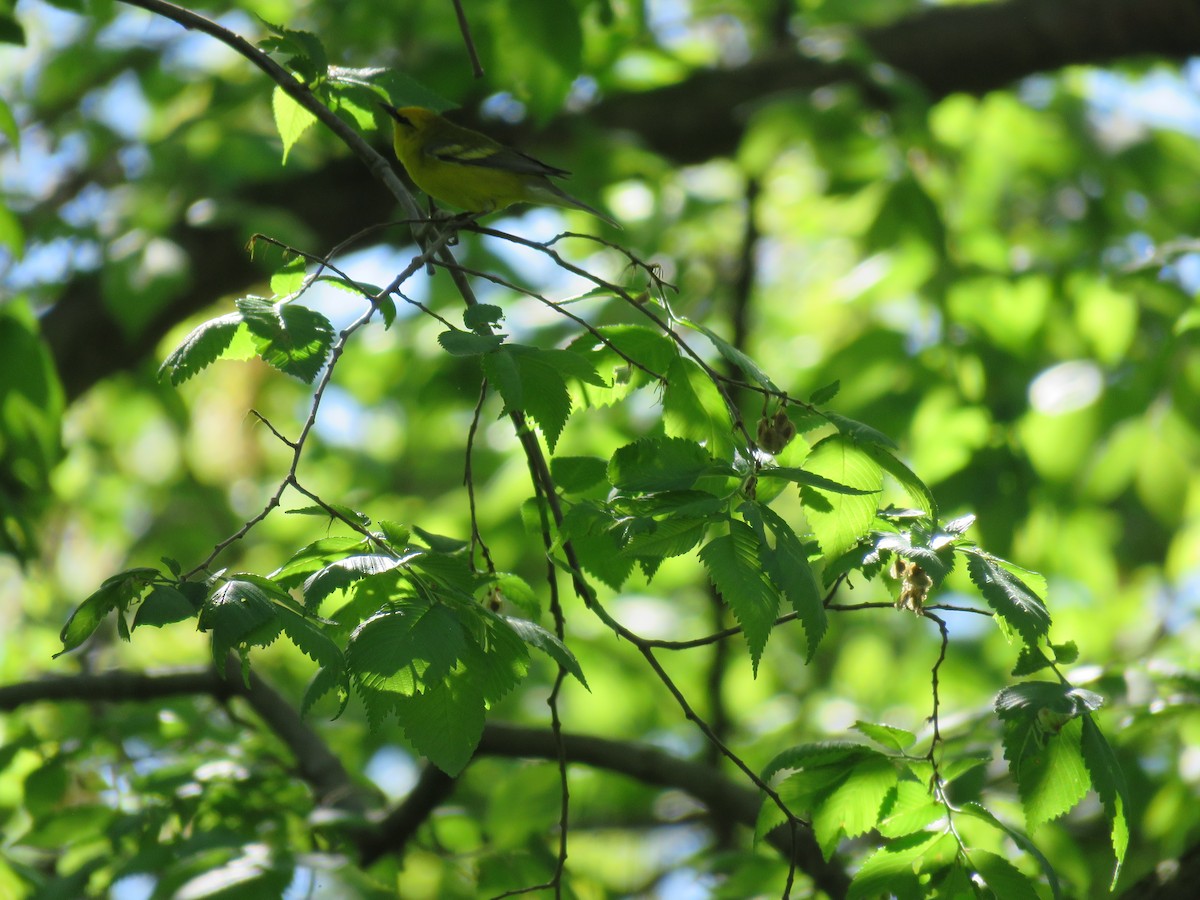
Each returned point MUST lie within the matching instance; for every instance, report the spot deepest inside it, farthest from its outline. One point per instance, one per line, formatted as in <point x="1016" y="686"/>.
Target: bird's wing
<point x="472" y="152"/>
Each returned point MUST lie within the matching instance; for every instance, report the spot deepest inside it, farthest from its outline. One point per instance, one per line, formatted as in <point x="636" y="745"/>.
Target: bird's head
<point x="409" y="118"/>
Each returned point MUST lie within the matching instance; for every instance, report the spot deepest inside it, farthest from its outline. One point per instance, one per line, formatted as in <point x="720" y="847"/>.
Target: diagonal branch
<point x="944" y="49"/>
<point x="321" y="768"/>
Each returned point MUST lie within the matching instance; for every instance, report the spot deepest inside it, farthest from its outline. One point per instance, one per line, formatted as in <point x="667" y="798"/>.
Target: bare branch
<point x="318" y="766"/>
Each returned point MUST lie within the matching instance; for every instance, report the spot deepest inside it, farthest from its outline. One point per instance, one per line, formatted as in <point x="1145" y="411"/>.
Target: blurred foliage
<point x="984" y="306"/>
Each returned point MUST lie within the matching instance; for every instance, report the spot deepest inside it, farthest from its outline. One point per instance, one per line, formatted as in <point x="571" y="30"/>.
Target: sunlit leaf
<point x="1009" y="596"/>
<point x="201" y="348"/>
<point x="1109" y="782"/>
<point x="837" y="519"/>
<point x="732" y="562"/>
<point x="536" y="636"/>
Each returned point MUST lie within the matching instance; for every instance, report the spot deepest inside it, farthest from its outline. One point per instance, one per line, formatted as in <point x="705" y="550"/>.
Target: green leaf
<point x="574" y="474"/>
<point x="394" y="533"/>
<point x="1047" y="766"/>
<point x="482" y="316"/>
<point x="733" y="564"/>
<point x="62" y="828"/>
<point x="661" y="464"/>
<point x="536" y="636"/>
<point x="543" y="378"/>
<point x="496" y="658"/>
<point x="839" y="520"/>
<point x="451" y="571"/>
<point x="824" y="394"/>
<point x="253" y="873"/>
<point x="734" y="356"/>
<point x="907" y="213"/>
<point x="303" y="50"/>
<point x="344" y="572"/>
<point x="1035" y="698"/>
<point x="291" y="338"/>
<point x="812" y="479"/>
<point x="439" y="543"/>
<point x="356" y="104"/>
<point x="289" y="277"/>
<point x="694" y="408"/>
<point x="959" y="525"/>
<point x="201" y="348"/>
<point x="644" y="346"/>
<point x="468" y="343"/>
<point x="1109" y="783"/>
<point x="8" y="123"/>
<point x="916" y="489"/>
<point x="590" y="532"/>
<point x="909" y="809"/>
<point x="669" y="504"/>
<point x="164" y="605"/>
<point x="1030" y="660"/>
<point x="1020" y="839"/>
<point x="46" y="786"/>
<point x="12" y="234"/>
<point x="445" y="723"/>
<point x="242" y="612"/>
<point x="891" y="871"/>
<point x="853" y="807"/>
<point x="787" y="565"/>
<point x="845" y="785"/>
<point x="663" y="539"/>
<point x="399" y="89"/>
<point x="1009" y="596"/>
<point x="568" y="363"/>
<point x="823" y="754"/>
<point x="309" y="638"/>
<point x="328" y="678"/>
<point x="405" y="651"/>
<point x="1065" y="653"/>
<point x="313" y="557"/>
<point x="858" y="432"/>
<point x="1005" y="879"/>
<point x="516" y="590"/>
<point x="116" y="592"/>
<point x="534" y="381"/>
<point x="292" y="120"/>
<point x="886" y="735"/>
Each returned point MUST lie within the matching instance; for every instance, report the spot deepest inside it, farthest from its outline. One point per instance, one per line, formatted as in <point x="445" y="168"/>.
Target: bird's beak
<point x="393" y="112"/>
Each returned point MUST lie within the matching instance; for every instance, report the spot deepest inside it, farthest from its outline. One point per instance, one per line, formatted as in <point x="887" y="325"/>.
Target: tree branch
<point x="315" y="762"/>
<point x="725" y="798"/>
<point x="392" y="834"/>
<point x="319" y="766"/>
<point x="945" y="49"/>
<point x="972" y="49"/>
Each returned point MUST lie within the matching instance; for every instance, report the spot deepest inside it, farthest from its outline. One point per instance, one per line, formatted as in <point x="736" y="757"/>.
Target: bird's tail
<point x="550" y="193"/>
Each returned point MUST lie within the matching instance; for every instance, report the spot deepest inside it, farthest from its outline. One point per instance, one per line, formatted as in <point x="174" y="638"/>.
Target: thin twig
<point x="275" y="431"/>
<point x="469" y="481"/>
<point x="934" y="720"/>
<point x="294" y="88"/>
<point x="559" y="308"/>
<point x="335" y="354"/>
<point x="465" y="28"/>
<point x="546" y="248"/>
<point x="737" y="629"/>
<point x="540" y="490"/>
<point x="541" y="470"/>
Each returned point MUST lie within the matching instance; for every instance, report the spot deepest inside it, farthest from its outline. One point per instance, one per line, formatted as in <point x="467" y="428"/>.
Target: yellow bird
<point x="469" y="170"/>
